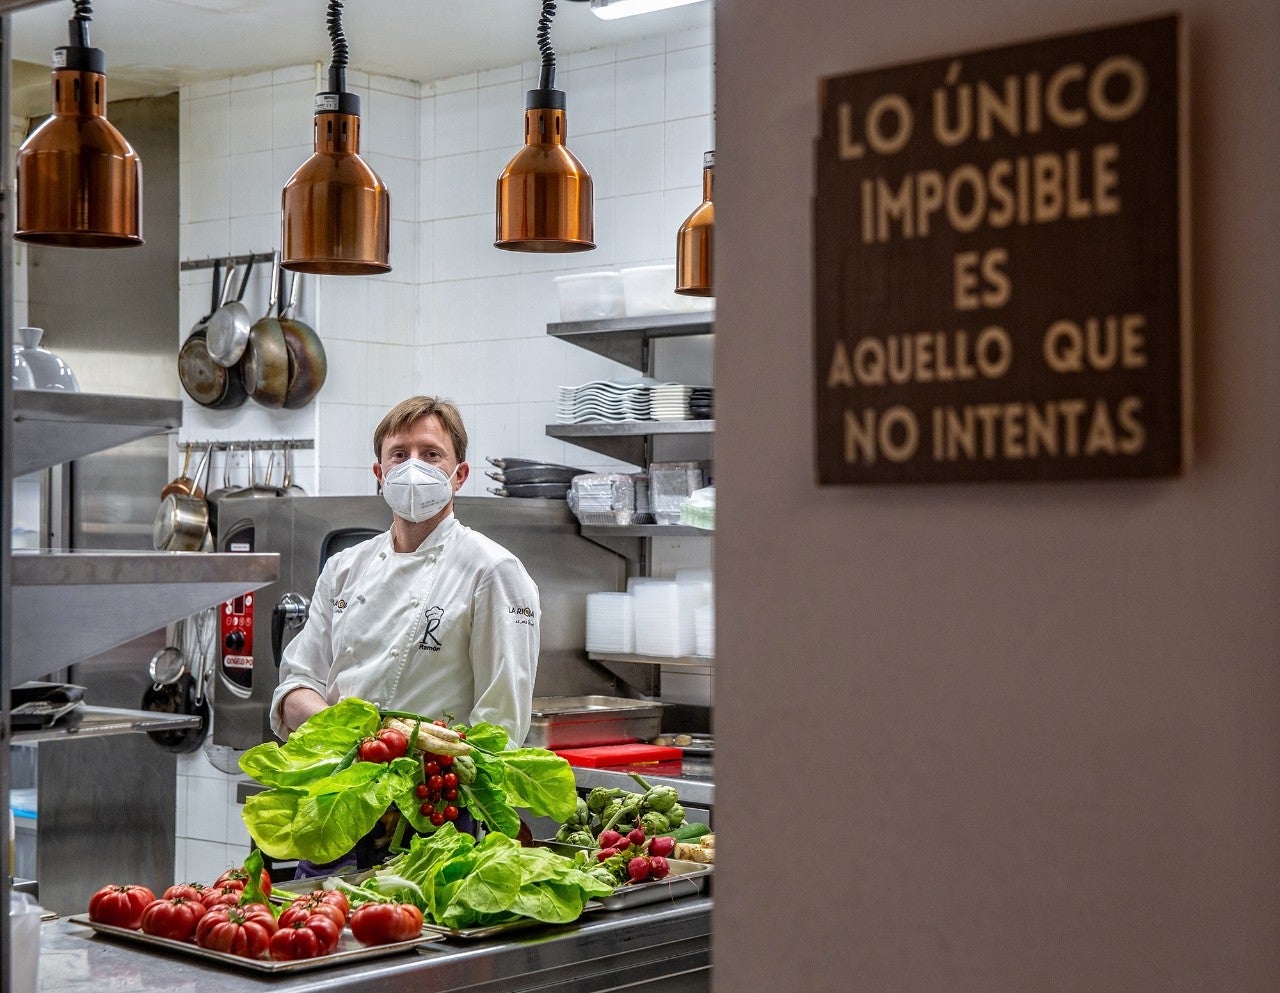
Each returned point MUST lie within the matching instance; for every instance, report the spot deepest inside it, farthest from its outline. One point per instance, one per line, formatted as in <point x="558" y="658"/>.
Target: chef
<point x="430" y="616"/>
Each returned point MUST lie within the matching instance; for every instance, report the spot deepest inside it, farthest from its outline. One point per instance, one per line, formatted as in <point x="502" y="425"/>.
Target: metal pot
<point x="178" y="698"/>
<point x="265" y="363"/>
<point x="256" y="489"/>
<point x="182" y="521"/>
<point x="308" y="364"/>
<point x="287" y="484"/>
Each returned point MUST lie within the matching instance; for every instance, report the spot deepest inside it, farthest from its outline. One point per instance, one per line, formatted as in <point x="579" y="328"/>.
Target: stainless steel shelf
<point x="626" y="440"/>
<point x="51" y="427"/>
<point x="626" y="339"/>
<point x="69" y="606"/>
<point x="685" y="661"/>
<point x="95" y="722"/>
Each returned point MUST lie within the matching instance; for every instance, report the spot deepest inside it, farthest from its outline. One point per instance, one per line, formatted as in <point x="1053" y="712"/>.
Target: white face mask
<point x="416" y="490"/>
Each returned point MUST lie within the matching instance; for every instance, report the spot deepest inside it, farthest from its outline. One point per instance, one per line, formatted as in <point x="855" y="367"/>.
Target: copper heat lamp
<point x="544" y="193"/>
<point x="79" y="182"/>
<point x="335" y="210"/>
<point x="694" y="256"/>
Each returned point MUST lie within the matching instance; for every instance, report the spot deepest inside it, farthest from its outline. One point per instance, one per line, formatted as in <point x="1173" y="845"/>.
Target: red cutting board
<point x="606" y="755"/>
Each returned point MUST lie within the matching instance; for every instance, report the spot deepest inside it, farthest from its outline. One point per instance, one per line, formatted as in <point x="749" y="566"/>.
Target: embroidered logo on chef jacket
<point x="434" y="618"/>
<point x="521" y="614"/>
<point x="339" y="605"/>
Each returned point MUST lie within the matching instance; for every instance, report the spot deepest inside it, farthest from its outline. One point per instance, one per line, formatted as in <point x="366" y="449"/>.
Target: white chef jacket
<point x="449" y="628"/>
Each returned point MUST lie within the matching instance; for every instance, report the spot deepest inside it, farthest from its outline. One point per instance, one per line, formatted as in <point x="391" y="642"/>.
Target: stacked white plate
<point x="670" y="402"/>
<point x="610" y="622"/>
<point x="604" y="400"/>
<point x="663" y="619"/>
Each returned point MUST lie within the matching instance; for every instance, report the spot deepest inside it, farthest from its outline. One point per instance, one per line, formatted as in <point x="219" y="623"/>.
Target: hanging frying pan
<point x="206" y="382"/>
<point x="308" y="365"/>
<point x="265" y="363"/>
<point x="228" y="330"/>
<point x="203" y="323"/>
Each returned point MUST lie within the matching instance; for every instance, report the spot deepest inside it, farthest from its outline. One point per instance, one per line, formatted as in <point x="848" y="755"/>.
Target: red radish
<point x="638" y="869"/>
<point x="610" y="839"/>
<point x="636" y="836"/>
<point x="662" y="845"/>
<point x="606" y="853"/>
<point x="659" y="867"/>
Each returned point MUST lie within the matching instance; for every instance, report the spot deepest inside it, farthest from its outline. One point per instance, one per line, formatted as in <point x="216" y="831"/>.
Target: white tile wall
<point x="455" y="317"/>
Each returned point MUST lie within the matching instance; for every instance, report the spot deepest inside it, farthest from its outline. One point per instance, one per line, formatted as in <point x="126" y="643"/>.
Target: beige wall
<point x="994" y="737"/>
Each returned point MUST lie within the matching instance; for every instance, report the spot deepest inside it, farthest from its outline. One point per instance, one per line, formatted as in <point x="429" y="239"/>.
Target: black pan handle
<point x="290" y="612"/>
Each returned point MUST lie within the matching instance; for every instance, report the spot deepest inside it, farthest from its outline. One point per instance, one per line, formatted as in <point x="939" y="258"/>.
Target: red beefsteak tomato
<point x="120" y="906"/>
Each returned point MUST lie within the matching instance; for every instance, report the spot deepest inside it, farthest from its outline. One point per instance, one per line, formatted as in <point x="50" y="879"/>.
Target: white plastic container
<point x="24" y="929"/>
<point x="590" y="296"/>
<point x="651" y="289"/>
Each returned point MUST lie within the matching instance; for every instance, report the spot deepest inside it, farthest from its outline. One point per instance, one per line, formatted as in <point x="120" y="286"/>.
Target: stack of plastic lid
<point x="604" y="400"/>
<point x="663" y="619"/>
<point x="704" y="630"/>
<point x="702" y="403"/>
<point x="610" y="623"/>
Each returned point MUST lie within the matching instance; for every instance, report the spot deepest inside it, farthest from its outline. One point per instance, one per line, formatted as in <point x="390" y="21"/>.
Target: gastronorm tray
<point x="570" y="721"/>
<point x="492" y="930"/>
<point x="686" y="879"/>
<point x="349" y="950"/>
<point x="285" y="891"/>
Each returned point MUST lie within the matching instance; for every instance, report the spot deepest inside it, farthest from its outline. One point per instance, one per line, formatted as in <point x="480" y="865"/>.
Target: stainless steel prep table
<point x="659" y="947"/>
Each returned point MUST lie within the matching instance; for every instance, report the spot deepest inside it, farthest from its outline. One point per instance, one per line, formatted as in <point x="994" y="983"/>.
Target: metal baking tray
<point x="287" y="890"/>
<point x="686" y="879"/>
<point x="569" y="721"/>
<point x="349" y="950"/>
<point x="492" y="930"/>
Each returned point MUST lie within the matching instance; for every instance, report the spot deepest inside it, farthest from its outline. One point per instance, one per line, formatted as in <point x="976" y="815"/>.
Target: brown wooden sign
<point x="999" y="264"/>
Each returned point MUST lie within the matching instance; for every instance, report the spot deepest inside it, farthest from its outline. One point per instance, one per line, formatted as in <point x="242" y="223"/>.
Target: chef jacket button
<point x="350" y="650"/>
<point x="360" y="597"/>
<point x="395" y="652"/>
<point x="414" y="602"/>
<point x="431" y="557"/>
<point x="382" y="555"/>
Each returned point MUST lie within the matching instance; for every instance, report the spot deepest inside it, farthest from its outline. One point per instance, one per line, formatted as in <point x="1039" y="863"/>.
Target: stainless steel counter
<point x="659" y="947"/>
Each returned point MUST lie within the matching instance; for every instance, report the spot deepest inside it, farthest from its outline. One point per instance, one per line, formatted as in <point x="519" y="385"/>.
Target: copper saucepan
<point x="182" y="521"/>
<point x="184" y="484"/>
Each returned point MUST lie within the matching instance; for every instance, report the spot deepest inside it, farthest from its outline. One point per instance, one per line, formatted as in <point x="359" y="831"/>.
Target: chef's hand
<point x="299" y="705"/>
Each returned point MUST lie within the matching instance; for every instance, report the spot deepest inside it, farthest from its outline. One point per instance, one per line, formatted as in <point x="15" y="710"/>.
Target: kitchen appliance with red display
<point x="306" y="531"/>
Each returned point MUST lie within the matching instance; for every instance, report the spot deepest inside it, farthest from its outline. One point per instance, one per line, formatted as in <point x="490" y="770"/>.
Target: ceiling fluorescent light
<point x="610" y="10"/>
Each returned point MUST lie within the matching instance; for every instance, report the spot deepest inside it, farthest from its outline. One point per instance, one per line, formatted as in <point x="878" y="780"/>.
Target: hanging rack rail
<point x="209" y="263"/>
<point x="260" y="444"/>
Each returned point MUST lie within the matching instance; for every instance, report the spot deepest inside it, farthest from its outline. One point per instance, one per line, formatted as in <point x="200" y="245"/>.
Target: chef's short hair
<point x="407" y="411"/>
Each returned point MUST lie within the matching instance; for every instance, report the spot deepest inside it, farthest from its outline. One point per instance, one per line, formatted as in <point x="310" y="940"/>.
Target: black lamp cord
<point x="547" y="77"/>
<point x="338" y="66"/>
<point x="78" y="26"/>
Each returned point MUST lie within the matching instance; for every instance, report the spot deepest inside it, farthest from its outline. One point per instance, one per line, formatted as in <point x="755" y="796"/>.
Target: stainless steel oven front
<point x="253" y="628"/>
